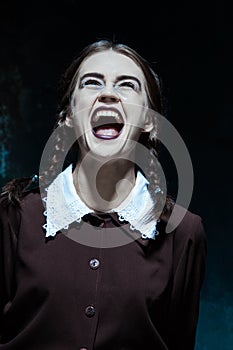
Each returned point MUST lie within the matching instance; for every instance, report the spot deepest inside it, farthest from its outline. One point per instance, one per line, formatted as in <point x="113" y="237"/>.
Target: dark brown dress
<point x="59" y="294"/>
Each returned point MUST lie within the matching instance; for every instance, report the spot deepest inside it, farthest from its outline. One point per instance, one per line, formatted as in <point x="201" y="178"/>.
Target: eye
<point x="128" y="84"/>
<point x="91" y="83"/>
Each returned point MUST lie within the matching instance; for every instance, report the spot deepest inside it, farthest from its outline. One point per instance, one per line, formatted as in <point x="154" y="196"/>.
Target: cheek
<point x="136" y="115"/>
<point x="81" y="110"/>
<point x="85" y="98"/>
<point x="81" y="105"/>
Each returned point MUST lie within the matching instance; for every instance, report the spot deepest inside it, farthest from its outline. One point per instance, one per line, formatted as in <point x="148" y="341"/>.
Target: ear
<point x="69" y="121"/>
<point x="148" y="126"/>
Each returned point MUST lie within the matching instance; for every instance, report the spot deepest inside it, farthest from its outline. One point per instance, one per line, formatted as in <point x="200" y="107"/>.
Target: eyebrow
<point x="94" y="75"/>
<point x="121" y="77"/>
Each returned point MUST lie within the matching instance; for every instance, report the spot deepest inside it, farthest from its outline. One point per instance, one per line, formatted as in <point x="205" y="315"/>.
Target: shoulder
<point x="185" y="219"/>
<point x="14" y="190"/>
<point x="188" y="231"/>
<point x="185" y="225"/>
<point x="191" y="225"/>
<point x="13" y="193"/>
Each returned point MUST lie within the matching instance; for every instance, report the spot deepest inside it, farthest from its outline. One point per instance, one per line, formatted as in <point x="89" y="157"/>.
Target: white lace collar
<point x="64" y="206"/>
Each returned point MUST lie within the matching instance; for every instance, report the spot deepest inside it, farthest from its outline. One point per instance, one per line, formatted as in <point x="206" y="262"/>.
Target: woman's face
<point x="109" y="105"/>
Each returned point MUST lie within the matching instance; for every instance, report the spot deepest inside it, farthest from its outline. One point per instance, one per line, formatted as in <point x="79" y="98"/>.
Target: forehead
<point x="110" y="63"/>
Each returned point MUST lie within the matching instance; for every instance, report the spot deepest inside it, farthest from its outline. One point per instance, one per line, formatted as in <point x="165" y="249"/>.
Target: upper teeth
<point x="107" y="113"/>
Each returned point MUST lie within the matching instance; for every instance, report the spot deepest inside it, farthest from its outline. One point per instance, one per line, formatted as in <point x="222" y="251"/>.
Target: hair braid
<point x="162" y="201"/>
<point x="60" y="152"/>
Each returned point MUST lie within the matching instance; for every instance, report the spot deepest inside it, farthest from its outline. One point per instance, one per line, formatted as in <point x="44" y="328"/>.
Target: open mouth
<point x="107" y="124"/>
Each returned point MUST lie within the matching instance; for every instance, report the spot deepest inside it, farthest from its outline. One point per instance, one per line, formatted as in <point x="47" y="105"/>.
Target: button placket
<point x="90" y="300"/>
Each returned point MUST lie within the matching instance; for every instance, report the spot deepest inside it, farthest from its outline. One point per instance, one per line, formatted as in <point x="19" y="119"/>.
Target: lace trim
<point x="61" y="212"/>
<point x="135" y="214"/>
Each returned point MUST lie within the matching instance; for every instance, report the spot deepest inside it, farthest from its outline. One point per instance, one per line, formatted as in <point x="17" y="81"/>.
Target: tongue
<point x="107" y="132"/>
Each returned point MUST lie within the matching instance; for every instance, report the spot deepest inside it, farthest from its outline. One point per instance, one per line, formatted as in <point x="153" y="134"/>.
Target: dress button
<point x="94" y="263"/>
<point x="90" y="311"/>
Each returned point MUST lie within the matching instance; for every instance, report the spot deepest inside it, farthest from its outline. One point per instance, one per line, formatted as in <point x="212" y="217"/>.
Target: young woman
<point x="86" y="262"/>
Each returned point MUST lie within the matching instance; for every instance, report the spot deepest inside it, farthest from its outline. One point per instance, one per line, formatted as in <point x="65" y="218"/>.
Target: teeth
<point x="107" y="114"/>
<point x="104" y="113"/>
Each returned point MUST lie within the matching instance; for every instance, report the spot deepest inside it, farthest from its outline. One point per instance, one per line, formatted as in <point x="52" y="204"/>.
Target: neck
<point x="104" y="186"/>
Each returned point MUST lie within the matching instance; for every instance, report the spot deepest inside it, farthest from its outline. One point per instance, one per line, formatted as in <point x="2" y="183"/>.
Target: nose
<point x="108" y="95"/>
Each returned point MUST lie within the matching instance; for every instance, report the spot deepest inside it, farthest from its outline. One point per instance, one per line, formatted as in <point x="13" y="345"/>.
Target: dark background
<point x="190" y="46"/>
